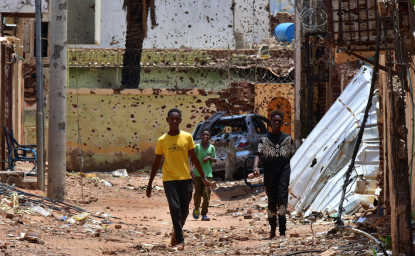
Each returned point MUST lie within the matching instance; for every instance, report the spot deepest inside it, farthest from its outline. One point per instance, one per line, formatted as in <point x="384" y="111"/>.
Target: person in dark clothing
<point x="276" y="148"/>
<point x="176" y="146"/>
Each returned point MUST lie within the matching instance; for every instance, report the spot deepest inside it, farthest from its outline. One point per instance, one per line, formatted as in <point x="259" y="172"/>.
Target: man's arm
<point x="192" y="167"/>
<point x="153" y="173"/>
<point x="214" y="160"/>
<point x="211" y="158"/>
<point x="196" y="162"/>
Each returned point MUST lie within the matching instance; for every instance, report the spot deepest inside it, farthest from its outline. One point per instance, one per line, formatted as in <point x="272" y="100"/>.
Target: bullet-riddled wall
<point x="269" y="97"/>
<point x="121" y="130"/>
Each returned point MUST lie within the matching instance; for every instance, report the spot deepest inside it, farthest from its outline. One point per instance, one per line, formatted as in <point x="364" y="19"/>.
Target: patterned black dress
<point x="277" y="150"/>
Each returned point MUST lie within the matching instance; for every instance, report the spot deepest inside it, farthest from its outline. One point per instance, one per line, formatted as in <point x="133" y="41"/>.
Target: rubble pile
<point x="120" y="220"/>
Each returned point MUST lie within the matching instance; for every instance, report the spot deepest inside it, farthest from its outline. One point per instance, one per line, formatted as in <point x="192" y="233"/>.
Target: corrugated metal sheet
<point x="319" y="165"/>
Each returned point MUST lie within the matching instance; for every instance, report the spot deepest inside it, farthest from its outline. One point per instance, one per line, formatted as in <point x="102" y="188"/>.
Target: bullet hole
<point x="74" y="105"/>
<point x="163" y="107"/>
<point x="132" y="116"/>
<point x="189" y="126"/>
<point x="84" y="144"/>
<point x="314" y="162"/>
<point x="134" y="121"/>
<point x="108" y="129"/>
<point x="93" y="130"/>
<point x="198" y="101"/>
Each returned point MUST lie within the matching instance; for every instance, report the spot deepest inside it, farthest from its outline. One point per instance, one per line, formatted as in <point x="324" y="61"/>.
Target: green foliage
<point x="375" y="253"/>
<point x="31" y="134"/>
<point x="387" y="241"/>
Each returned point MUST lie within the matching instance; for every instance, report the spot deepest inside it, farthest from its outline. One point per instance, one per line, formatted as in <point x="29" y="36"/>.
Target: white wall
<point x="22" y="6"/>
<point x="193" y="24"/>
<point x="252" y="27"/>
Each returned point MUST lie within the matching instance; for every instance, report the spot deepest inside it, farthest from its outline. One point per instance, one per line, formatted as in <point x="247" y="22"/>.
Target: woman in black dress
<point x="277" y="148"/>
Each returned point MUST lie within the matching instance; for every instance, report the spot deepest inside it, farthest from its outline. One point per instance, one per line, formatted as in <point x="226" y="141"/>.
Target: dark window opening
<point x="235" y="126"/>
<point x="45" y="41"/>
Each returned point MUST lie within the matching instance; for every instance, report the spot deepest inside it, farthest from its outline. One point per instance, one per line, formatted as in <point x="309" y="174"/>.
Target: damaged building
<point x="201" y="58"/>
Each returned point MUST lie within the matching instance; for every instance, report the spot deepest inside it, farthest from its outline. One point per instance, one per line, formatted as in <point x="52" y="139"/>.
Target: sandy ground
<point x="140" y="225"/>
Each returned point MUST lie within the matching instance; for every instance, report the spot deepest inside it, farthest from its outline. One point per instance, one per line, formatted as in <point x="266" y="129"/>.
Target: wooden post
<point x="410" y="119"/>
<point x="2" y="106"/>
<point x="398" y="167"/>
<point x="383" y="90"/>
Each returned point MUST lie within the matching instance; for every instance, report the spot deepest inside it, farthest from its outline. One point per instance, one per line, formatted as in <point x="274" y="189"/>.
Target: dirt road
<point x="131" y="224"/>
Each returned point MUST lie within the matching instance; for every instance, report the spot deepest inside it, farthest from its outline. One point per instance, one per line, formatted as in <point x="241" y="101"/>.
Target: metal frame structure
<point x="352" y="14"/>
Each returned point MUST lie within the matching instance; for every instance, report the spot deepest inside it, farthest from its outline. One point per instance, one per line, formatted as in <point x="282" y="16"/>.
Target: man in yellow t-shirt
<point x="176" y="146"/>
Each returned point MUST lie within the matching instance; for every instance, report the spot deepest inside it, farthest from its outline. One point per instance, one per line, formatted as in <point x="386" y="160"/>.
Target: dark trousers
<point x="179" y="195"/>
<point x="200" y="192"/>
<point x="274" y="203"/>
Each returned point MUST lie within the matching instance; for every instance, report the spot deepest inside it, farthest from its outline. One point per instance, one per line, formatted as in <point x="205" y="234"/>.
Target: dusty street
<point x="131" y="224"/>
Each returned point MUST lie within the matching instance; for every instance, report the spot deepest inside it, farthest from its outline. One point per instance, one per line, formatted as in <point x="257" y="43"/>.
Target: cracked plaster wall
<point x="189" y="24"/>
<point x="121" y="131"/>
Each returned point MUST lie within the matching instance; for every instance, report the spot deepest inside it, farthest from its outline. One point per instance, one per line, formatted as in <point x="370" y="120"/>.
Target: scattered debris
<point x="120" y="173"/>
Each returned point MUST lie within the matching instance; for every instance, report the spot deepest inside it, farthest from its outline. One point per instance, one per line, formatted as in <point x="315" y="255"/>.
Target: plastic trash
<point x="106" y="183"/>
<point x="58" y="216"/>
<point x="120" y="173"/>
<point x="70" y="221"/>
<point x="361" y="219"/>
<point x="15" y="200"/>
<point x="41" y="211"/>
<point x="88" y="175"/>
<point x="81" y="216"/>
<point x="32" y="236"/>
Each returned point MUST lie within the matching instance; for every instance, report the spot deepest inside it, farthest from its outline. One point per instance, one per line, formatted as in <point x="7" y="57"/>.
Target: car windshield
<point x="234" y="125"/>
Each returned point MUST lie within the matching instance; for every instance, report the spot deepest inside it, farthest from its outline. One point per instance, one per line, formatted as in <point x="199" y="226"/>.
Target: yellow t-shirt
<point x="176" y="159"/>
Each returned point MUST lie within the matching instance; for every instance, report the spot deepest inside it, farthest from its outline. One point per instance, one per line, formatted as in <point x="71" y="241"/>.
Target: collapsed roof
<point x="319" y="165"/>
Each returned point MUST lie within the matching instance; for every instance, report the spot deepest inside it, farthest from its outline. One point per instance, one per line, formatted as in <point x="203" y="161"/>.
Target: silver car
<point x="246" y="130"/>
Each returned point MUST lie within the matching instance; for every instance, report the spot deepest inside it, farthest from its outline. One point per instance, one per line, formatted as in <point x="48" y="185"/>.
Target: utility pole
<point x="40" y="118"/>
<point x="57" y="110"/>
<point x="297" y="77"/>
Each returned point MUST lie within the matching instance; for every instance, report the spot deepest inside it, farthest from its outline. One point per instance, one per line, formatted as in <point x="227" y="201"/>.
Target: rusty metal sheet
<point x="319" y="165"/>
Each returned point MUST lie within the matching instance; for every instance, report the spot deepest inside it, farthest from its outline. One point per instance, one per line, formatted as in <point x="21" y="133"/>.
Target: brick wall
<point x="280" y="17"/>
<point x="237" y="99"/>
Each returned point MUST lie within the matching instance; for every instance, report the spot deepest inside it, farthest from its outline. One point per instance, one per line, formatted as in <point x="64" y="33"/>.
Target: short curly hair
<point x="277" y="113"/>
<point x="207" y="130"/>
